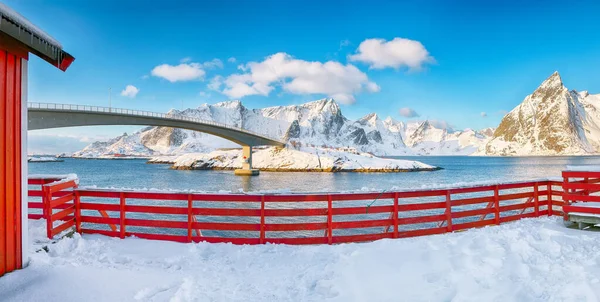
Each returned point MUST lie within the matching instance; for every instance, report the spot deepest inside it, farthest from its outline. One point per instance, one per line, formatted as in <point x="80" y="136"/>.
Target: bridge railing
<point x="139" y="113"/>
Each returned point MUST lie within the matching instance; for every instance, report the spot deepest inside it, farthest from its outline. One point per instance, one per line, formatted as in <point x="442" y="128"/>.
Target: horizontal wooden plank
<point x="100" y="232"/>
<point x="421" y="232"/>
<point x="472" y="224"/>
<point x="362" y="196"/>
<point x="362" y="224"/>
<point x="528" y="184"/>
<point x="156" y="209"/>
<point x="156" y="223"/>
<point x="574" y="208"/>
<point x="222" y="226"/>
<point x="472" y="189"/>
<point x="227" y="197"/>
<point x="100" y="220"/>
<point x="295" y="241"/>
<point x="515" y="196"/>
<point x="292" y="212"/>
<point x="471" y="201"/>
<point x="467" y="213"/>
<point x="99" y="206"/>
<point x="35" y="216"/>
<point x="516" y="217"/>
<point x="98" y="193"/>
<point x="41" y="181"/>
<point x="361" y="210"/>
<point x="574" y="197"/>
<point x="580" y="174"/>
<point x="581" y="186"/>
<point x="421" y="206"/>
<point x="307" y="226"/>
<point x="421" y="219"/>
<point x="515" y="207"/>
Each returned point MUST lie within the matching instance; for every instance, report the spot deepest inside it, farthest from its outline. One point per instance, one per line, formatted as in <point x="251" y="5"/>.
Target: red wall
<point x="10" y="162"/>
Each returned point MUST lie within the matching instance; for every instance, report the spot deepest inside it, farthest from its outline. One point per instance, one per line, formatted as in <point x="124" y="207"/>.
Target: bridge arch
<point x="47" y="116"/>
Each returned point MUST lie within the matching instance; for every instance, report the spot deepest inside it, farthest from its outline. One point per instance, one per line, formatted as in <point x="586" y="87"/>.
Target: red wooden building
<point x="18" y="39"/>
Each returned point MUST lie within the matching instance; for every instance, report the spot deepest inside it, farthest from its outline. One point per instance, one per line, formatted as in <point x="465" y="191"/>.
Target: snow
<point x="317" y="123"/>
<point x="584" y="168"/>
<point x="17" y="18"/>
<point x="44" y="159"/>
<point x="287" y="159"/>
<point x="529" y="260"/>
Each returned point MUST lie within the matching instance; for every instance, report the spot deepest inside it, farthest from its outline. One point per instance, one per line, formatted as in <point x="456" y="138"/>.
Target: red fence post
<point x="262" y="219"/>
<point x="48" y="210"/>
<point x="77" y="212"/>
<point x="122" y="216"/>
<point x="448" y="212"/>
<point x="396" y="215"/>
<point x="496" y="205"/>
<point x="329" y="219"/>
<point x="536" y="205"/>
<point x="549" y="199"/>
<point x="565" y="201"/>
<point x="189" y="212"/>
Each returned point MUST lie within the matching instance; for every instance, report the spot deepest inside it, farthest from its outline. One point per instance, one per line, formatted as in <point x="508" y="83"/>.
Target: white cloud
<point x="214" y="63"/>
<point x="440" y="124"/>
<point x="231" y="60"/>
<point x="215" y="83"/>
<point x="181" y="72"/>
<point x="483" y="114"/>
<point x="130" y="91"/>
<point x="185" y="60"/>
<point x="408" y="112"/>
<point x="397" y="53"/>
<point x="344" y="43"/>
<point x="296" y="76"/>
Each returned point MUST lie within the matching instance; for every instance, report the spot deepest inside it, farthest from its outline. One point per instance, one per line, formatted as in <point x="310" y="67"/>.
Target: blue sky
<point x="451" y="60"/>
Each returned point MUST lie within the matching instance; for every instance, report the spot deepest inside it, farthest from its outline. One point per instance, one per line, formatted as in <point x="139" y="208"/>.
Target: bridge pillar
<point x="246" y="163"/>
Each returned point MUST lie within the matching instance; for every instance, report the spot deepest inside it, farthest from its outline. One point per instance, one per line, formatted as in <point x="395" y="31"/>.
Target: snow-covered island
<point x="43" y="159"/>
<point x="291" y="160"/>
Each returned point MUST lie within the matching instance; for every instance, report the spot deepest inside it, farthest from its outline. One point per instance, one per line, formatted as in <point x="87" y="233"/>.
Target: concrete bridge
<point x="46" y="116"/>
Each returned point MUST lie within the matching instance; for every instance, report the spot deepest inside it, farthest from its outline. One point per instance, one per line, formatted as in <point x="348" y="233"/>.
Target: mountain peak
<point x="229" y="104"/>
<point x="552" y="81"/>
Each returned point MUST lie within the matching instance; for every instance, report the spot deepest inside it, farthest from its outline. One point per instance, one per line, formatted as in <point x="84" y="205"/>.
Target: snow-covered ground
<point x="287" y="159"/>
<point x="529" y="260"/>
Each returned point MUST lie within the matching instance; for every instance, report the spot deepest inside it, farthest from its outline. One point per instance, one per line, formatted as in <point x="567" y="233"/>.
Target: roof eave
<point x="35" y="44"/>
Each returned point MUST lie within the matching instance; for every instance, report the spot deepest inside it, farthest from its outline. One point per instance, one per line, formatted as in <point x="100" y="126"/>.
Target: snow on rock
<point x="528" y="260"/>
<point x="287" y="159"/>
<point x="550" y="121"/>
<point x="317" y="123"/>
<point x="43" y="159"/>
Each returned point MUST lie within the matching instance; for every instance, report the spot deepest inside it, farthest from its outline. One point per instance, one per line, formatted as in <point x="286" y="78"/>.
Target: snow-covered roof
<point x="34" y="40"/>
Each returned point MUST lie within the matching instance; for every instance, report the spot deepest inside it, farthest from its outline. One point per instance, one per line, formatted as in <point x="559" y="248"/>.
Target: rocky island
<point x="292" y="160"/>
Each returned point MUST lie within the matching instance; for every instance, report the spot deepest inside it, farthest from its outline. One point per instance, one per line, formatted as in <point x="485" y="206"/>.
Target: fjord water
<point x="458" y="170"/>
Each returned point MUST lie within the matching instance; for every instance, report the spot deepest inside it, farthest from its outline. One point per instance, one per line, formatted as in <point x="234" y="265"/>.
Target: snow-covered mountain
<point x="318" y="123"/>
<point x="550" y="121"/>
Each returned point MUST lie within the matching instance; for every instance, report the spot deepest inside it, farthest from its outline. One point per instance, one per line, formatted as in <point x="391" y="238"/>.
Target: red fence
<point x="294" y="218"/>
<point x="57" y="203"/>
<point x="579" y="188"/>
